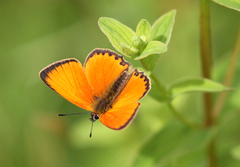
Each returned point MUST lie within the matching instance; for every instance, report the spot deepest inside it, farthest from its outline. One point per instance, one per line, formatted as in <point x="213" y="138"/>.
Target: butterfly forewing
<point x="102" y="68"/>
<point x="68" y="79"/>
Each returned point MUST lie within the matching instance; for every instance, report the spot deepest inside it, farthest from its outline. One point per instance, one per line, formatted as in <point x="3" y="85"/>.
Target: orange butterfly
<point x="104" y="85"/>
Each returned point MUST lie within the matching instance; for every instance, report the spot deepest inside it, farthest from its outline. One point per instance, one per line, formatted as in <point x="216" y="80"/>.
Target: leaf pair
<point x="144" y="42"/>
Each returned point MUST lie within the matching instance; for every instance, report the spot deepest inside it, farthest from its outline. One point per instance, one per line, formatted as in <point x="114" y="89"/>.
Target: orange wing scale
<point x="68" y="79"/>
<point x="119" y="118"/>
<point x="125" y="106"/>
<point x="102" y="68"/>
<point x="136" y="88"/>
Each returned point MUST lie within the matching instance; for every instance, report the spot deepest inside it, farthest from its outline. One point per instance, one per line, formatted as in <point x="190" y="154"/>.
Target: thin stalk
<point x="212" y="153"/>
<point x="205" y="46"/>
<point x="182" y="119"/>
<point x="160" y="86"/>
<point x="172" y="109"/>
<point x="228" y="78"/>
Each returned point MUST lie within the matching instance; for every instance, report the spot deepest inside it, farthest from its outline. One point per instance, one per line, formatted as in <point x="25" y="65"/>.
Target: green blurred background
<point x="34" y="34"/>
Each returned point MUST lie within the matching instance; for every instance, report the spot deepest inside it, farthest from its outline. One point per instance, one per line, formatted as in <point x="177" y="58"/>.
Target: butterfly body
<point x="104" y="103"/>
<point x="103" y="85"/>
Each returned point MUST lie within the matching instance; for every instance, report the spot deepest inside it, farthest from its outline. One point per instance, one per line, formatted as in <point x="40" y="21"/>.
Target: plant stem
<point x="228" y="78"/>
<point x="206" y="55"/>
<point x="160" y="86"/>
<point x="182" y="119"/>
<point x="212" y="153"/>
<point x="205" y="45"/>
<point x="172" y="109"/>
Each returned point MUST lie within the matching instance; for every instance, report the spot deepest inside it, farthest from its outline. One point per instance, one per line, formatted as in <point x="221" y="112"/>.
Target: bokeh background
<point x="34" y="34"/>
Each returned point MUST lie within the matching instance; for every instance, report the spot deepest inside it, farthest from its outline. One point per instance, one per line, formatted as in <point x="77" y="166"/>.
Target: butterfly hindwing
<point x="119" y="118"/>
<point x="125" y="107"/>
<point x="67" y="78"/>
<point x="136" y="88"/>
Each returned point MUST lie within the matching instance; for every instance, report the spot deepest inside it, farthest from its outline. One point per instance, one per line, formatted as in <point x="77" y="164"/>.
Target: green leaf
<point x="195" y="85"/>
<point x="137" y="42"/>
<point x="152" y="47"/>
<point x="116" y="32"/>
<point x="144" y="30"/>
<point x="150" y="62"/>
<point x="161" y="31"/>
<point x="233" y="4"/>
<point x="162" y="28"/>
<point x="171" y="144"/>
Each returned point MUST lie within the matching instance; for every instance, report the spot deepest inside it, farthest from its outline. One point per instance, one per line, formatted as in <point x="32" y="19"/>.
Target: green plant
<point x="146" y="45"/>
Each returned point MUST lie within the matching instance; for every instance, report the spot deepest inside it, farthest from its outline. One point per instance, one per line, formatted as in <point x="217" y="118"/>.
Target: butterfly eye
<point x="96" y="117"/>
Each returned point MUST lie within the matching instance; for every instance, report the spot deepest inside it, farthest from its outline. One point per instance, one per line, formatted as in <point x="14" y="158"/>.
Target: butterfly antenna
<point x="91" y="130"/>
<point x="73" y="114"/>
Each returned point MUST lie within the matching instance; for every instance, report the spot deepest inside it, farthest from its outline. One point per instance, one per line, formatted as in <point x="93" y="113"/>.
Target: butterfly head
<point x="94" y="117"/>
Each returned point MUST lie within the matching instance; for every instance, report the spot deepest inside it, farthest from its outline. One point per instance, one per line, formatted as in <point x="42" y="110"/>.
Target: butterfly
<point x="104" y="85"/>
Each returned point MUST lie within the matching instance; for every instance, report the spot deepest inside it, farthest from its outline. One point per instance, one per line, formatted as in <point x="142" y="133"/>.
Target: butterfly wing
<point x="137" y="87"/>
<point x="119" y="118"/>
<point x="102" y="68"/>
<point x="125" y="107"/>
<point x="67" y="78"/>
